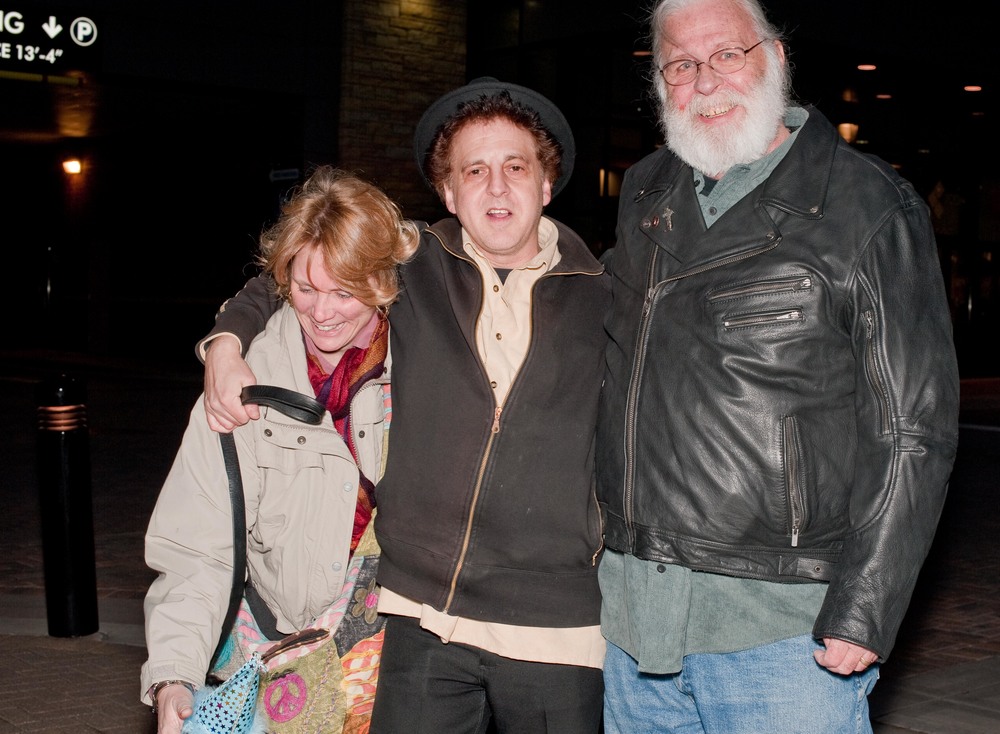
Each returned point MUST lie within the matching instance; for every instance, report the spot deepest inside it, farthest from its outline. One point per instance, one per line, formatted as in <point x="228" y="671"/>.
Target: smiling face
<point x="331" y="318"/>
<point x="719" y="120"/>
<point x="497" y="189"/>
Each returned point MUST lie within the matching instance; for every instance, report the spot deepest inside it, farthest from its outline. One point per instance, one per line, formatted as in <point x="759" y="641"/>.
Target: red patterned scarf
<point x="356" y="367"/>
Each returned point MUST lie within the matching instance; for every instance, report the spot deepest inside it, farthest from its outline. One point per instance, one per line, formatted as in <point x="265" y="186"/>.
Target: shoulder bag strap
<point x="239" y="538"/>
<point x="295" y="405"/>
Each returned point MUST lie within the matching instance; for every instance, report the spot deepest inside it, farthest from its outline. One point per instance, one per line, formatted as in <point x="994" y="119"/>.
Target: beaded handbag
<point x="230" y="708"/>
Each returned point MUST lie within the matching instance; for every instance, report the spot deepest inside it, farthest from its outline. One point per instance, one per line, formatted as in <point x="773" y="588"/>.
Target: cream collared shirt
<point x="503" y="333"/>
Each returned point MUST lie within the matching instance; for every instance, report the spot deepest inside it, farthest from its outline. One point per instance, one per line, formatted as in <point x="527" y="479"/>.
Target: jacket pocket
<point x="790" y="284"/>
<point x="764" y="302"/>
<point x="763" y="318"/>
<point x="288" y="448"/>
<point x="794" y="472"/>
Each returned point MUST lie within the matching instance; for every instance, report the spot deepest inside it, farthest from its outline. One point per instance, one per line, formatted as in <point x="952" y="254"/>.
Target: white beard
<point x="713" y="150"/>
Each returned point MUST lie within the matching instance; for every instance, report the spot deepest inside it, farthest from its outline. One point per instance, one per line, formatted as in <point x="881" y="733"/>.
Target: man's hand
<point x="844" y="657"/>
<point x="226" y="374"/>
<point x="174" y="704"/>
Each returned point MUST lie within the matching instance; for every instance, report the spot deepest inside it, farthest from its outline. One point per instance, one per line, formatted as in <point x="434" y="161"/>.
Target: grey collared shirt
<point x="717" y="197"/>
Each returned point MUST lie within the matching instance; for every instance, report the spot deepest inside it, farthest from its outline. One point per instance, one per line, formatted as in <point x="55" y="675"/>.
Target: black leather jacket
<point x="781" y="397"/>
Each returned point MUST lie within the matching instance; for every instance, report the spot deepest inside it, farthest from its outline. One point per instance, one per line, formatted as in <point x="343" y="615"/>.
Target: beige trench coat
<point x="301" y="488"/>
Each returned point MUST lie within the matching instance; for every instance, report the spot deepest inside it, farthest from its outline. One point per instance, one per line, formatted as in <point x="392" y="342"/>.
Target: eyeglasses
<point x="724" y="61"/>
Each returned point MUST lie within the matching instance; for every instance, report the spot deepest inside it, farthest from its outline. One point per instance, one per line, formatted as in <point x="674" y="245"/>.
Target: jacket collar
<point x="576" y="257"/>
<point x="797" y="186"/>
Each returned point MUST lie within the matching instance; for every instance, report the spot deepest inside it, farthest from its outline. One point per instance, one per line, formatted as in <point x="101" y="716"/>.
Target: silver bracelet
<point x="154" y="690"/>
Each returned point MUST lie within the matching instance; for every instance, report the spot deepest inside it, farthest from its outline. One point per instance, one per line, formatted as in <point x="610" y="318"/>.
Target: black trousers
<point x="429" y="687"/>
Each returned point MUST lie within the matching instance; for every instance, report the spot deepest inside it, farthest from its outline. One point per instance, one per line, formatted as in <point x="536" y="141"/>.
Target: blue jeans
<point x="771" y="689"/>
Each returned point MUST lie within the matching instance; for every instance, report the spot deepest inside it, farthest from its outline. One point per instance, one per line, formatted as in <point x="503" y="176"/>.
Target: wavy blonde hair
<point x="359" y="231"/>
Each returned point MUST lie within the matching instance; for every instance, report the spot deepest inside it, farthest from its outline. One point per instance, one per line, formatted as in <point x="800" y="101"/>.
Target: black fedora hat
<point x="447" y="105"/>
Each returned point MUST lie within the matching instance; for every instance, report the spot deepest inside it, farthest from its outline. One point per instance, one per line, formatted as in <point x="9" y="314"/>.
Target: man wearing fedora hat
<point x="486" y="515"/>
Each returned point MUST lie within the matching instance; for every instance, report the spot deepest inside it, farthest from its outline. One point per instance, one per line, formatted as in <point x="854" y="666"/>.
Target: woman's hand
<point x="226" y="374"/>
<point x="174" y="703"/>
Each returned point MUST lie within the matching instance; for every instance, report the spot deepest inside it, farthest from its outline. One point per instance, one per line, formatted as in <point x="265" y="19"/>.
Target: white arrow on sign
<point x="52" y="27"/>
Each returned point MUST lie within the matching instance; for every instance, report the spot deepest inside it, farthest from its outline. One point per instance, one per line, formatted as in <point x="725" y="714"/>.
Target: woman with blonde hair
<point x="309" y="490"/>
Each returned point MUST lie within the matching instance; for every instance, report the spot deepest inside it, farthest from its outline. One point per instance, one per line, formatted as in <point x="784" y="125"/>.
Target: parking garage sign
<point x="47" y="41"/>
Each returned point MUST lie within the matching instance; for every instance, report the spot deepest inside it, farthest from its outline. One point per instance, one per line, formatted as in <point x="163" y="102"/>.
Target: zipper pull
<point x="496" y="420"/>
<point x="593" y="558"/>
<point x="795" y="537"/>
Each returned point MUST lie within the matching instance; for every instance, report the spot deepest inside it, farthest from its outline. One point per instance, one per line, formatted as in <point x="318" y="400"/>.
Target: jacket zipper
<point x="763" y="318"/>
<point x="793" y="479"/>
<point x="782" y="285"/>
<point x="639" y="361"/>
<point x="871" y="368"/>
<point x="600" y="527"/>
<point x="494" y="430"/>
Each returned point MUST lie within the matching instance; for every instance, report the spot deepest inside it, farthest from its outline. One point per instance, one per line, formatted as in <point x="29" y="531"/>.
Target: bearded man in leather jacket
<point x="779" y="417"/>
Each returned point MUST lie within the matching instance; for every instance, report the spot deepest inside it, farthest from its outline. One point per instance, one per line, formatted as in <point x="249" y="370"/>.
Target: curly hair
<point x="357" y="228"/>
<point x="485" y="109"/>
